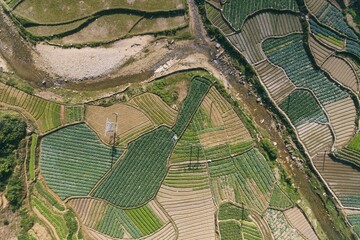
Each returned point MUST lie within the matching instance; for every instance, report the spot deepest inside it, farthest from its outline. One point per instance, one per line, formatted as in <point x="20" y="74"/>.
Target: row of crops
<point x="193" y="176"/>
<point x="216" y="18"/>
<point x="198" y="89"/>
<point x="288" y="52"/>
<point x="279" y="226"/>
<point x="331" y="16"/>
<point x="155" y="108"/>
<point x="142" y="168"/>
<point x="326" y="34"/>
<point x="236" y="11"/>
<point x="355" y="221"/>
<point x="301" y="107"/>
<point x="250" y="177"/>
<point x="235" y="223"/>
<point x="349" y="155"/>
<point x="46" y="113"/>
<point x="137" y="222"/>
<point x="73" y="160"/>
<point x="34" y="140"/>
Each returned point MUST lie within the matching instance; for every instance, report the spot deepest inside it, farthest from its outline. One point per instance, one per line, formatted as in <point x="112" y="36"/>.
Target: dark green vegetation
<point x="142" y="167"/>
<point x="237" y="11"/>
<point x="355" y="221"/>
<point x="73" y="159"/>
<point x="12" y="131"/>
<point x="301" y="107"/>
<point x="331" y="16"/>
<point x="269" y="150"/>
<point x="354" y="11"/>
<point x="351" y="153"/>
<point x="198" y="89"/>
<point x="34" y="138"/>
<point x="288" y="52"/>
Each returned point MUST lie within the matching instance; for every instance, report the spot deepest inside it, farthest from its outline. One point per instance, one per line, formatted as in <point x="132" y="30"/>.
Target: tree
<point x="269" y="149"/>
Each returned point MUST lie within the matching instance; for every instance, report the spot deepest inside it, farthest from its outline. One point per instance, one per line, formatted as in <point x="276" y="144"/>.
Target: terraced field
<point x="280" y="227"/>
<point x="297" y="219"/>
<point x="236" y="12"/>
<point x="279" y="200"/>
<point x="47" y="115"/>
<point x="246" y="178"/>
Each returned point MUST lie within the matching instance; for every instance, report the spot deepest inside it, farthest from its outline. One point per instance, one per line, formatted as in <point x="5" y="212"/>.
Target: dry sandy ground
<point x="3" y="65"/>
<point x="75" y="64"/>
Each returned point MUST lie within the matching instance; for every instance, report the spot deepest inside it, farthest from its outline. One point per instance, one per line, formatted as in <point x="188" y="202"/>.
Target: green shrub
<point x="269" y="149"/>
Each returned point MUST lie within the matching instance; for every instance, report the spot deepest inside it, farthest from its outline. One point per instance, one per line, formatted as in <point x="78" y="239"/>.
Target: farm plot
<point x="188" y="176"/>
<point x="142" y="167"/>
<point x="215" y="17"/>
<point x="64" y="224"/>
<point x="230" y="230"/>
<point x="198" y="89"/>
<point x="44" y="12"/>
<point x="193" y="212"/>
<point x="250" y="231"/>
<point x="342" y="115"/>
<point x="355" y="221"/>
<point x="326" y="35"/>
<point x="74" y="172"/>
<point x="116" y="222"/>
<point x="155" y="108"/>
<point x="342" y="179"/>
<point x="320" y="52"/>
<point x="279" y="200"/>
<point x="215" y="132"/>
<point x="73" y="114"/>
<point x="353" y="47"/>
<point x="349" y="155"/>
<point x="279" y="226"/>
<point x="302" y="107"/>
<point x="236" y="12"/>
<point x="229" y="211"/>
<point x="246" y="178"/>
<point x="34" y="140"/>
<point x="46" y="113"/>
<point x="41" y="193"/>
<point x="316" y="137"/>
<point x="131" y="122"/>
<point x="297" y="219"/>
<point x="288" y="52"/>
<point x="342" y="72"/>
<point x="260" y="27"/>
<point x="330" y="16"/>
<point x="275" y="80"/>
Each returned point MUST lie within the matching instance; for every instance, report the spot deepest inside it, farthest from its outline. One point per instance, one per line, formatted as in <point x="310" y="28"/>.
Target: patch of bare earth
<point x="10" y="231"/>
<point x="39" y="232"/>
<point x="87" y="63"/>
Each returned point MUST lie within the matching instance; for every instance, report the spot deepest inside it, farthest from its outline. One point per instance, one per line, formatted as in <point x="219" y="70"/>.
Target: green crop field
<point x="236" y="11"/>
<point x="250" y="231"/>
<point x="350" y="155"/>
<point x="288" y="52"/>
<point x="48" y="197"/>
<point x="198" y="89"/>
<point x="55" y="219"/>
<point x="144" y="219"/>
<point x="248" y="175"/>
<point x="279" y="200"/>
<point x="230" y="230"/>
<point x="74" y="113"/>
<point x="73" y="159"/>
<point x="326" y="34"/>
<point x="143" y="167"/>
<point x="355" y="221"/>
<point x="193" y="176"/>
<point x="301" y="107"/>
<point x="34" y="138"/>
<point x="229" y="211"/>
